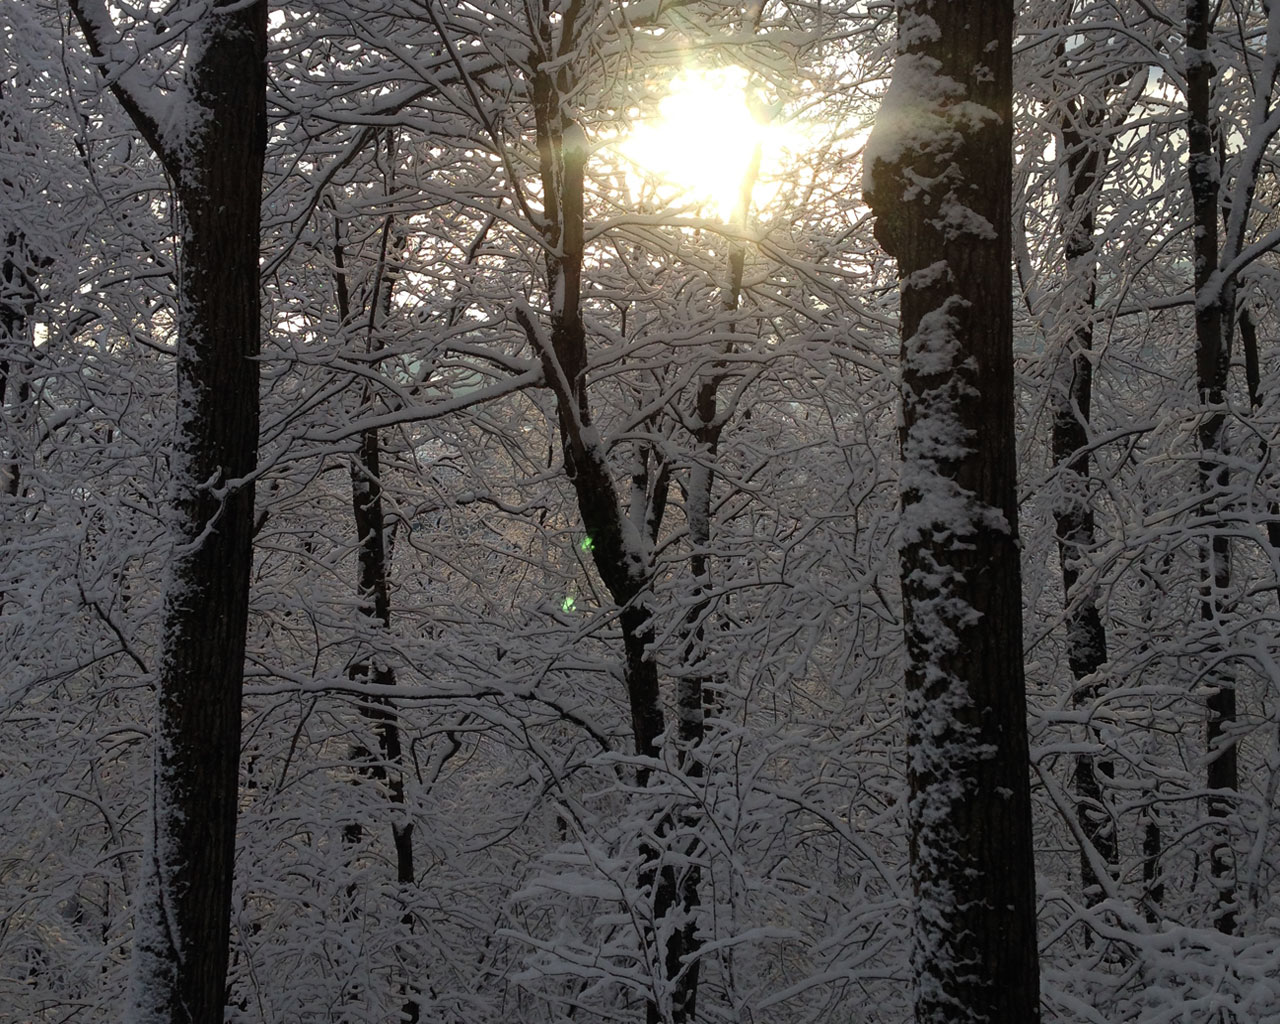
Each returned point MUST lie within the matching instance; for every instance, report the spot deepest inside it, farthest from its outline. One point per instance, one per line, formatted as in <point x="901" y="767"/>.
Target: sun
<point x="705" y="138"/>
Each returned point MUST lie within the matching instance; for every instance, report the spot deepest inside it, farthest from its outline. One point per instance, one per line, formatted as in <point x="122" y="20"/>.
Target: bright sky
<point x="703" y="139"/>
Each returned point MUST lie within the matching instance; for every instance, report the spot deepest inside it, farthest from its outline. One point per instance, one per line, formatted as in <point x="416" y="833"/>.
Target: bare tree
<point x="373" y="555"/>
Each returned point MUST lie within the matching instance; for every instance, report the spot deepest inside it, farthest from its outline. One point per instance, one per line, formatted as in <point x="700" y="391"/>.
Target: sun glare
<point x="704" y="138"/>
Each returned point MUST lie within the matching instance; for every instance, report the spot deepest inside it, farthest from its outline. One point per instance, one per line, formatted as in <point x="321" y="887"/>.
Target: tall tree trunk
<point x="19" y="268"/>
<point x="1216" y="277"/>
<point x="214" y="155"/>
<point x="1253" y="377"/>
<point x="939" y="170"/>
<point x="620" y="545"/>
<point x="696" y="695"/>
<point x="373" y="584"/>
<point x="1074" y="519"/>
<point x="1085" y="143"/>
<point x="616" y="545"/>
<point x="17" y="303"/>
<point x="1214" y="317"/>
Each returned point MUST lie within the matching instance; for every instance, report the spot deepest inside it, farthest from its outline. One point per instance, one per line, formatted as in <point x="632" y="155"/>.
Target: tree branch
<point x="121" y="73"/>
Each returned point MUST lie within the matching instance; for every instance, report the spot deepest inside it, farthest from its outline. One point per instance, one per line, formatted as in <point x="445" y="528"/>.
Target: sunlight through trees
<point x="619" y="512"/>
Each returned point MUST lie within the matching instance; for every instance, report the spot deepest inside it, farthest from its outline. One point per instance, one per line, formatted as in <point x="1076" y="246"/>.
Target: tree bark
<point x="1084" y="145"/>
<point x="214" y="155"/>
<point x="373" y="588"/>
<point x="17" y="303"/>
<point x="1214" y="318"/>
<point x="18" y="297"/>
<point x="939" y="170"/>
<point x="618" y="541"/>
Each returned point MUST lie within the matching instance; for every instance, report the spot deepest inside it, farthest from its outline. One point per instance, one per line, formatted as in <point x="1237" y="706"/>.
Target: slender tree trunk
<point x="18" y="296"/>
<point x="696" y="690"/>
<point x="616" y="547"/>
<point x="1214" y="317"/>
<point x="1084" y="152"/>
<point x="373" y="584"/>
<point x="939" y="170"/>
<point x="619" y="545"/>
<point x="214" y="155"/>
<point x="17" y="303"/>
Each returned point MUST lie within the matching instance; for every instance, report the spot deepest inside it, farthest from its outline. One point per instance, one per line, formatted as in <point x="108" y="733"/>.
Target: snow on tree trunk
<point x="618" y="545"/>
<point x="373" y="584"/>
<point x="20" y="267"/>
<point x="1085" y="132"/>
<point x="1215" y="303"/>
<point x="1218" y="263"/>
<point x="17" y="303"/>
<point x="211" y="136"/>
<point x="938" y="178"/>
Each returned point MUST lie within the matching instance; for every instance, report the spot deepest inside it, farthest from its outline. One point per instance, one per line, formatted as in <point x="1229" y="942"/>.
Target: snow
<point x="529" y="908"/>
<point x="156" y="937"/>
<point x="956" y="220"/>
<point x="913" y="114"/>
<point x="573" y="142"/>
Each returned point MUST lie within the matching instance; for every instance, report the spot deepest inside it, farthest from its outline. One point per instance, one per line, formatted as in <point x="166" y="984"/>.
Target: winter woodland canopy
<point x="462" y="471"/>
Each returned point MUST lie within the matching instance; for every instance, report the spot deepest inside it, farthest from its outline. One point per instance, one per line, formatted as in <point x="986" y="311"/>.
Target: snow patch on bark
<point x="939" y="515"/>
<point x="912" y="115"/>
<point x="955" y="220"/>
<point x="156" y="939"/>
<point x="923" y="113"/>
<point x="935" y="506"/>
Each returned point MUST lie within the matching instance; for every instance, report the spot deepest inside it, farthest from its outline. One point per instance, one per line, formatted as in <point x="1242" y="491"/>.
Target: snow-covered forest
<point x="494" y="512"/>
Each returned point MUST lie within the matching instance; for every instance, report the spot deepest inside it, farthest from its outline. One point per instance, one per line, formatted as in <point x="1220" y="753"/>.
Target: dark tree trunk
<point x="373" y="587"/>
<point x="618" y="547"/>
<point x="19" y="269"/>
<point x="1215" y="316"/>
<point x="1084" y="147"/>
<point x="182" y="923"/>
<point x="17" y="303"/>
<point x="1253" y="376"/>
<point x="939" y="169"/>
